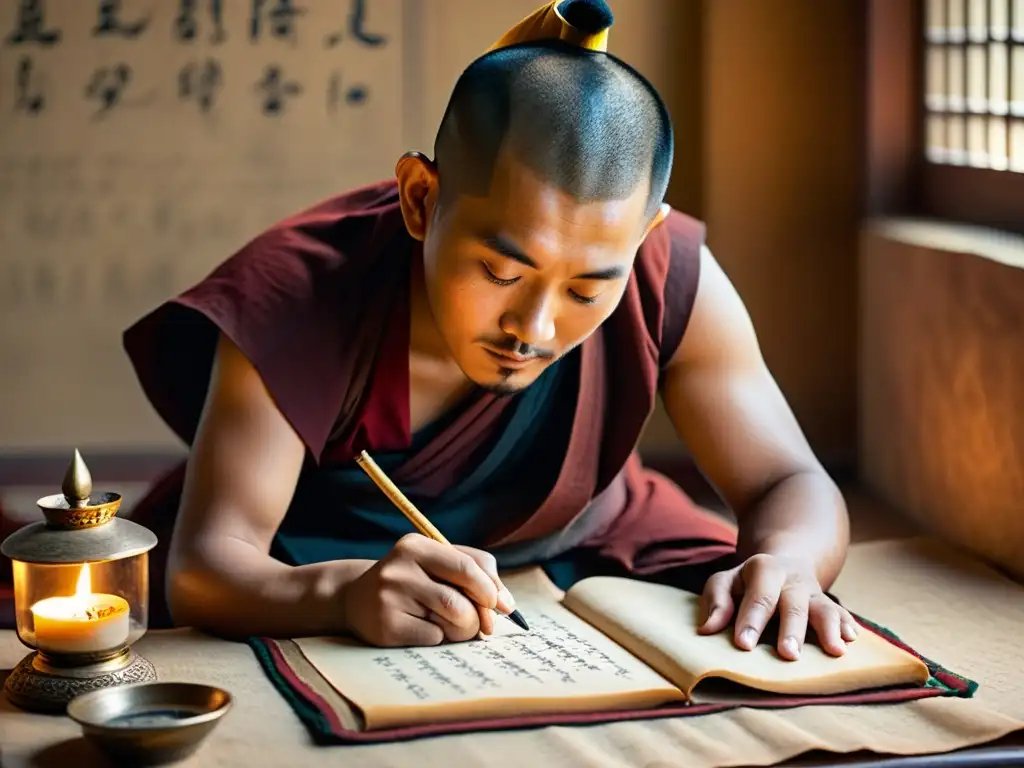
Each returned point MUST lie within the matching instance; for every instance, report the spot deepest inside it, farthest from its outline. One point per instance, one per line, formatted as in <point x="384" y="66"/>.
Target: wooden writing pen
<point x="417" y="518"/>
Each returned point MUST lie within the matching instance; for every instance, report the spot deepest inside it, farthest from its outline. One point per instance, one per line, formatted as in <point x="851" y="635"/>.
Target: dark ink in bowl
<point x="150" y="723"/>
<point x="152" y="719"/>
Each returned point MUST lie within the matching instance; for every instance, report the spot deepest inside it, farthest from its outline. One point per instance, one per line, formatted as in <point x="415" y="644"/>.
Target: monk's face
<point x="517" y="279"/>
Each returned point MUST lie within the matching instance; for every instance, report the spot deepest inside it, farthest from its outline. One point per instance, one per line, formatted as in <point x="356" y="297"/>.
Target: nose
<point x="532" y="321"/>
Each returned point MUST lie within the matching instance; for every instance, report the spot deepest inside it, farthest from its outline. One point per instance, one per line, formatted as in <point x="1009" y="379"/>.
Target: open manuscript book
<point x="607" y="644"/>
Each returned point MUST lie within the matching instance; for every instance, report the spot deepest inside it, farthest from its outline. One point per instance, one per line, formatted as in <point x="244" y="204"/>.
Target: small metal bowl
<point x="150" y="723"/>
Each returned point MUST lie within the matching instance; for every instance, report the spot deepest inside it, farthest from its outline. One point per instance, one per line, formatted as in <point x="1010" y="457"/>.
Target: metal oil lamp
<point x="81" y="596"/>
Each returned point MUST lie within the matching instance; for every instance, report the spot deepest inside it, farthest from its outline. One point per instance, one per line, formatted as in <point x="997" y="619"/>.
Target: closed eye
<point x="489" y="275"/>
<point x="494" y="278"/>
<point x="582" y="299"/>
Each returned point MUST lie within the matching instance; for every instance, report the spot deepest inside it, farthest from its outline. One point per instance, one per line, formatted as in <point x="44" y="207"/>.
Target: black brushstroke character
<point x="108" y="22"/>
<point x="352" y="95"/>
<point x="357" y="28"/>
<point x="281" y="15"/>
<point x="28" y="99"/>
<point x="107" y="86"/>
<point x="30" y="26"/>
<point x="201" y="81"/>
<point x="186" y="26"/>
<point x="276" y="89"/>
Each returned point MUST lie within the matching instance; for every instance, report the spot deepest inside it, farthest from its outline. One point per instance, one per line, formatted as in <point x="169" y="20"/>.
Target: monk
<point x="493" y="326"/>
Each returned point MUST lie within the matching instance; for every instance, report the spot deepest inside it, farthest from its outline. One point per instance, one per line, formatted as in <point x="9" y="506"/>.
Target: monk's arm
<point x="241" y="476"/>
<point x="727" y="408"/>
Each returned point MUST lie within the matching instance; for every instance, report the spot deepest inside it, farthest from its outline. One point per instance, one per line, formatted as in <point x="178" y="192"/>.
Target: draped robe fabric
<point x="319" y="304"/>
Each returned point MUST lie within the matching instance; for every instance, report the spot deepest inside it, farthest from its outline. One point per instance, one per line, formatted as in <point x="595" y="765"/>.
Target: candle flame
<point x="84" y="586"/>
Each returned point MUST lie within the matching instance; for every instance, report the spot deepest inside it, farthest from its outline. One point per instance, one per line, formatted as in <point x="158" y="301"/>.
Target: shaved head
<point x="550" y="167"/>
<point x="582" y="121"/>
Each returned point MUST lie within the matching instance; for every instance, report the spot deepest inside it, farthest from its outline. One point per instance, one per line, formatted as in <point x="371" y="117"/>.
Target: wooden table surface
<point x="262" y="730"/>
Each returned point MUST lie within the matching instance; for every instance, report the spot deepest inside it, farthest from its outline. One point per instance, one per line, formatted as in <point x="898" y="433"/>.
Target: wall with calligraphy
<point x="143" y="141"/>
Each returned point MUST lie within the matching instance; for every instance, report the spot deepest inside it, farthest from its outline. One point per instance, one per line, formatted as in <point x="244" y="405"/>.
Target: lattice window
<point x="974" y="83"/>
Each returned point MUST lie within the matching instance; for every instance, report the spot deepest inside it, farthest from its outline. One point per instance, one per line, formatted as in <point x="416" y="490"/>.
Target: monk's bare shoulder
<point x="720" y="331"/>
<point x="245" y="460"/>
<point x="723" y="400"/>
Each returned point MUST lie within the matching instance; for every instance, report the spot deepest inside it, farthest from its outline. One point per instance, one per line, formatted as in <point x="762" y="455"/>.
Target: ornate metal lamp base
<point x="39" y="686"/>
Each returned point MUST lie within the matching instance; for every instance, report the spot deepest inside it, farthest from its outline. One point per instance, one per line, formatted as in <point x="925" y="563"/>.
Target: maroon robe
<point x="319" y="304"/>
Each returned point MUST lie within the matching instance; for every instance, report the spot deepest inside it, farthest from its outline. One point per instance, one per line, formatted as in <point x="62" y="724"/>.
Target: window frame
<point x="973" y="196"/>
<point x="900" y="179"/>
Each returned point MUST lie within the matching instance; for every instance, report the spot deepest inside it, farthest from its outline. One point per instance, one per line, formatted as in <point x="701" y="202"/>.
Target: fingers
<point x="457" y="633"/>
<point x="486" y="620"/>
<point x="834" y="625"/>
<point x="505" y="602"/>
<point x="763" y="582"/>
<point x="716" y="603"/>
<point x="848" y="626"/>
<point x="792" y="609"/>
<point x="455" y="613"/>
<point x="770" y="587"/>
<point x="400" y="629"/>
<point x="446" y="563"/>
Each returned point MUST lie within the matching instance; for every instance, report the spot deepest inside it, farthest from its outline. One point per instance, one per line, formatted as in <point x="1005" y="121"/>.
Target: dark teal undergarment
<point x="339" y="513"/>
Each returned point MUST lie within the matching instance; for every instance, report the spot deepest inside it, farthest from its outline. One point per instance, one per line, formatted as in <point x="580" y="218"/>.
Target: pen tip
<point x="517" y="617"/>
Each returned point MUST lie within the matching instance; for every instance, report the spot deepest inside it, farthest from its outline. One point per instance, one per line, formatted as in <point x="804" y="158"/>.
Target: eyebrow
<point x="501" y="245"/>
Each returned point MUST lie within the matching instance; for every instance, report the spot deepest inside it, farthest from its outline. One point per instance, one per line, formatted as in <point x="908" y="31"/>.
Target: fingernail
<point x="849" y="632"/>
<point x="791" y="647"/>
<point x="506" y="603"/>
<point x="748" y="638"/>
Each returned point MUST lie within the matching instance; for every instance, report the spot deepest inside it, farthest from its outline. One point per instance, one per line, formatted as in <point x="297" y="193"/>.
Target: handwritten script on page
<point x="560" y="659"/>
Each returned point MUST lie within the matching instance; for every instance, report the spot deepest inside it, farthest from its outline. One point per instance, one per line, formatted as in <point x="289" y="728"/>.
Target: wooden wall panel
<point x="942" y="386"/>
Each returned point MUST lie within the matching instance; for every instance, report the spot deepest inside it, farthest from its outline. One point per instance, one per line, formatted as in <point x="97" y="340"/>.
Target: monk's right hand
<point x="423" y="593"/>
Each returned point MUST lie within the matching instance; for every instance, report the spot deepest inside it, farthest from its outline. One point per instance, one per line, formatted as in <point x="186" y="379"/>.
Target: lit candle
<point x="81" y="623"/>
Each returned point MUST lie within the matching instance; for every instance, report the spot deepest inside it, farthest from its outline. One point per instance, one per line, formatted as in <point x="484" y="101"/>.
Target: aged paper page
<point x="659" y="623"/>
<point x="560" y="665"/>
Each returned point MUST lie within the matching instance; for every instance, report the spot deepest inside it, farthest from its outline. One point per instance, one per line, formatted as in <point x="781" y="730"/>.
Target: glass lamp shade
<point x="81" y="590"/>
<point x="89" y="609"/>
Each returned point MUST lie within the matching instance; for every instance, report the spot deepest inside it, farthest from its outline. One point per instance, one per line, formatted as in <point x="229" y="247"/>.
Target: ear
<point x="417" y="191"/>
<point x="663" y="210"/>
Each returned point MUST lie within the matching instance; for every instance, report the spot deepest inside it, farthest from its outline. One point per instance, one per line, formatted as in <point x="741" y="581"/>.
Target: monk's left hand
<point x="765" y="585"/>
